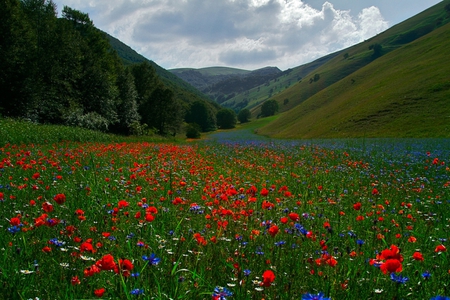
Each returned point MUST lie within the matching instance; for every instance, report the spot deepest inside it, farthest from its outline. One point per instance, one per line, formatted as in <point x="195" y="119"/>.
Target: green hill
<point x="181" y="88"/>
<point x="400" y="89"/>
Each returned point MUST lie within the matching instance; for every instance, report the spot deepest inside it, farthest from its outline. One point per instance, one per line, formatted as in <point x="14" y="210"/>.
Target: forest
<point x="63" y="70"/>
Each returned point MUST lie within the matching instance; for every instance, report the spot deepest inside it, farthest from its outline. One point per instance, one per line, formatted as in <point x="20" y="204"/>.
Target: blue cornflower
<point x="56" y="242"/>
<point x="111" y="238"/>
<point x="135" y="275"/>
<point x="247" y="272"/>
<point x="220" y="293"/>
<point x="153" y="260"/>
<point x="399" y="278"/>
<point x="426" y="274"/>
<point x="360" y="242"/>
<point x="14" y="229"/>
<point x="137" y="292"/>
<point x="440" y="298"/>
<point x="280" y="243"/>
<point x="319" y="296"/>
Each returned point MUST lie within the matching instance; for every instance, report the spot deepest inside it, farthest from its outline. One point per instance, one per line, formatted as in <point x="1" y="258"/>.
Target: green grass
<point x="17" y="132"/>
<point x="404" y="93"/>
<point x="189" y="219"/>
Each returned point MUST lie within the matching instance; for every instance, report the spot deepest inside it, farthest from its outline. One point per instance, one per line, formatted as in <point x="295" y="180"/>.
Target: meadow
<point x="230" y="217"/>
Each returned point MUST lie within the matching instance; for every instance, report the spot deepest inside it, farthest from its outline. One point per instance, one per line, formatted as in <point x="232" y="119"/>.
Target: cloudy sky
<point x="247" y="34"/>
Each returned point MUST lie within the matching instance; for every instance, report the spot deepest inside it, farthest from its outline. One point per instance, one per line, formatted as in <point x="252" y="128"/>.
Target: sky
<point x="245" y="34"/>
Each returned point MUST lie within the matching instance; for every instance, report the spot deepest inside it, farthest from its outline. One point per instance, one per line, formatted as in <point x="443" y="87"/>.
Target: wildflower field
<point x="226" y="219"/>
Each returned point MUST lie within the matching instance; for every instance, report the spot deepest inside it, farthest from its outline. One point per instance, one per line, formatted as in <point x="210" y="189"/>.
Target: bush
<point x="244" y="115"/>
<point x="193" y="131"/>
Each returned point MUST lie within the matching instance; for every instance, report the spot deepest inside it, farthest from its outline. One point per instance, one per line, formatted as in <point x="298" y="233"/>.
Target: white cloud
<point x="239" y="33"/>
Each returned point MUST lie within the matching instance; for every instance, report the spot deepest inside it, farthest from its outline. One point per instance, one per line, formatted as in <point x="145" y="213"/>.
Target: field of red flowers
<point x="228" y="220"/>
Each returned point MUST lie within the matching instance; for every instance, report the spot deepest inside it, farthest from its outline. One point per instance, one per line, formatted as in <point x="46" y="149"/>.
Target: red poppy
<point x="75" y="280"/>
<point x="391" y="266"/>
<point x="264" y="192"/>
<point x="392" y="253"/>
<point x="273" y="230"/>
<point x="106" y="262"/>
<point x="47" y="207"/>
<point x="440" y="248"/>
<point x="357" y="206"/>
<point x="126" y="266"/>
<point x="294" y="216"/>
<point x="14" y="221"/>
<point x="60" y="198"/>
<point x="418" y="256"/>
<point x="268" y="277"/>
<point x="99" y="292"/>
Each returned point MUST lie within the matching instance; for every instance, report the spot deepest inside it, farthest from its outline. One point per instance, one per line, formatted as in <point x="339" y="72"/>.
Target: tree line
<point x="62" y="70"/>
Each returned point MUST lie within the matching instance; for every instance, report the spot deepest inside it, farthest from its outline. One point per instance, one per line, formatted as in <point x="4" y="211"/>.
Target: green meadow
<point x="232" y="216"/>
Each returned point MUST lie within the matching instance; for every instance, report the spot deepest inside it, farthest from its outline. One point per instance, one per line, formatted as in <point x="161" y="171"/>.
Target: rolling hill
<point x="396" y="84"/>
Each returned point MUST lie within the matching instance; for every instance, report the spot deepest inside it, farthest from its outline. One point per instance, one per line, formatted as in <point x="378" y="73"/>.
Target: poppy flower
<point x="106" y="263"/>
<point x="440" y="248"/>
<point x="264" y="192"/>
<point x="391" y="266"/>
<point x="273" y="230"/>
<point x="392" y="253"/>
<point x="268" y="277"/>
<point x="418" y="256"/>
<point x="357" y="206"/>
<point x="99" y="292"/>
<point x="60" y="198"/>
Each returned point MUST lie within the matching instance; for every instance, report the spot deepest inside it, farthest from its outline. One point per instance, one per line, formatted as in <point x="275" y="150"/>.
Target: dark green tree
<point x="226" y="118"/>
<point x="377" y="49"/>
<point x="199" y="112"/>
<point x="16" y="42"/>
<point x="269" y="108"/>
<point x="127" y="108"/>
<point x="167" y="112"/>
<point x="193" y="131"/>
<point x="244" y="115"/>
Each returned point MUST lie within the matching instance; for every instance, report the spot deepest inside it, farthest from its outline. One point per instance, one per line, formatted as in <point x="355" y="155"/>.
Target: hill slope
<point x="181" y="88"/>
<point x="385" y="95"/>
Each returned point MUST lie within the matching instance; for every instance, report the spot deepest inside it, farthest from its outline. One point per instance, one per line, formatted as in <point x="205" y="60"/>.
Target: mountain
<point x="181" y="88"/>
<point x="395" y="84"/>
<point x="223" y="83"/>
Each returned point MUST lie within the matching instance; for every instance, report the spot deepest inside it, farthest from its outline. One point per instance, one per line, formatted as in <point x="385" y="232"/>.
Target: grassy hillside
<point x="359" y="93"/>
<point x="404" y="93"/>
<point x="255" y="96"/>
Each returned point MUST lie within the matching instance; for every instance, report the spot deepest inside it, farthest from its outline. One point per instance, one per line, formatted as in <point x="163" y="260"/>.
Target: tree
<point x="269" y="108"/>
<point x="244" y="115"/>
<point x="167" y="112"/>
<point x="193" y="131"/>
<point x="15" y="46"/>
<point x="377" y="49"/>
<point x="127" y="108"/>
<point x="226" y="118"/>
<point x="200" y="113"/>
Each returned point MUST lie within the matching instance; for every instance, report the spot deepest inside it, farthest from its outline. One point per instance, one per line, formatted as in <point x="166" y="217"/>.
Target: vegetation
<point x="64" y="71"/>
<point x="226" y="118"/>
<point x="339" y="219"/>
<point x="269" y="108"/>
<point x="397" y="94"/>
<point x="244" y="115"/>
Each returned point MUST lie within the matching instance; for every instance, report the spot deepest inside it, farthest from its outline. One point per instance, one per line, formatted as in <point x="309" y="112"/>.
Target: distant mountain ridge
<point x="221" y="83"/>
